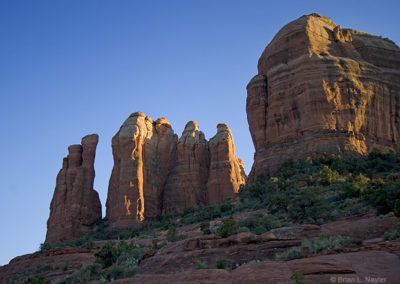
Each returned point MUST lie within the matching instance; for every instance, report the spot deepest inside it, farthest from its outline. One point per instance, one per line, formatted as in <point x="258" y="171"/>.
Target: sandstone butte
<point x="156" y="173"/>
<point x="75" y="205"/>
<point x="321" y="89"/>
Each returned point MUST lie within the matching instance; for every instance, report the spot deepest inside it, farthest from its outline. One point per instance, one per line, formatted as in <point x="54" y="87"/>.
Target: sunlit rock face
<point x="143" y="151"/>
<point x="156" y="173"/>
<point x="321" y="89"/>
<point x="75" y="205"/>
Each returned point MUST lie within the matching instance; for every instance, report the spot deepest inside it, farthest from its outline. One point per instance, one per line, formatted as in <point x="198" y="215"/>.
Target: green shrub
<point x="292" y="253"/>
<point x="328" y="176"/>
<point x="226" y="206"/>
<point x="221" y="263"/>
<point x="85" y="274"/>
<point x="227" y="228"/>
<point x="173" y="235"/>
<point x="201" y="265"/>
<point x="298" y="278"/>
<point x="188" y="211"/>
<point x="36" y="280"/>
<point x="124" y="254"/>
<point x="393" y="234"/>
<point x="205" y="227"/>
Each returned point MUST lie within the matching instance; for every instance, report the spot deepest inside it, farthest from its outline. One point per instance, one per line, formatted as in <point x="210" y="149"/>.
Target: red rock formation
<point x="323" y="89"/>
<point x="143" y="151"/>
<point x="155" y="173"/>
<point x="226" y="170"/>
<point x="75" y="205"/>
<point x="187" y="182"/>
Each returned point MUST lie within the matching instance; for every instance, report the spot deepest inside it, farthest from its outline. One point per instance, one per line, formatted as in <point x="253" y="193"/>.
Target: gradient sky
<point x="71" y="68"/>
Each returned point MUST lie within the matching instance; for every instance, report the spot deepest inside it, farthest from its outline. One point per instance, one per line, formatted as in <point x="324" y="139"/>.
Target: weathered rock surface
<point x="53" y="265"/>
<point x="75" y="205"/>
<point x="186" y="184"/>
<point x="155" y="173"/>
<point x="226" y="170"/>
<point x="143" y="151"/>
<point x="323" y="89"/>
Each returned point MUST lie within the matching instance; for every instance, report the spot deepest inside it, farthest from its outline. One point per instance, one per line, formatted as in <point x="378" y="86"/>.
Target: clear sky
<point x="71" y="68"/>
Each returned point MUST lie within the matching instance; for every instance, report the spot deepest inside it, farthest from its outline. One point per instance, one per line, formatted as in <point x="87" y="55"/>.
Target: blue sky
<point x="71" y="68"/>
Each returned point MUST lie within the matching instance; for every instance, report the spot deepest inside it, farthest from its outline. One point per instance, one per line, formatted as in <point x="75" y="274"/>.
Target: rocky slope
<point x="249" y="257"/>
<point x="156" y="173"/>
<point x="321" y="89"/>
<point x="75" y="205"/>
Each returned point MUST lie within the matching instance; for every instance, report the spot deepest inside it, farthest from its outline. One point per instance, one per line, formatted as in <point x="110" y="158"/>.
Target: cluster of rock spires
<point x="320" y="90"/>
<point x="154" y="173"/>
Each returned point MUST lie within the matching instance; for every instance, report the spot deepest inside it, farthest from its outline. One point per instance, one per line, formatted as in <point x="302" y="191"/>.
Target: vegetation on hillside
<point x="312" y="191"/>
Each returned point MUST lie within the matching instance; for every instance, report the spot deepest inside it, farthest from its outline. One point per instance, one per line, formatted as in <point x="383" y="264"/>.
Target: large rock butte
<point x="156" y="173"/>
<point x="321" y="89"/>
<point x="75" y="205"/>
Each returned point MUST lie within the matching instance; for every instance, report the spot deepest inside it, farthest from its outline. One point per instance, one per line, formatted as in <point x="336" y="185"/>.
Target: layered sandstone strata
<point x="75" y="205"/>
<point x="143" y="151"/>
<point x="155" y="172"/>
<point x="226" y="170"/>
<point x="321" y="89"/>
<point x="187" y="182"/>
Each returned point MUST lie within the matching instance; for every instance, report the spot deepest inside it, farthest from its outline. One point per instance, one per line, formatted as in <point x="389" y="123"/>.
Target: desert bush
<point x="205" y="227"/>
<point x="227" y="228"/>
<point x="200" y="265"/>
<point x="125" y="254"/>
<point x="173" y="235"/>
<point x="292" y="253"/>
<point x="328" y="176"/>
<point x="393" y="234"/>
<point x="221" y="263"/>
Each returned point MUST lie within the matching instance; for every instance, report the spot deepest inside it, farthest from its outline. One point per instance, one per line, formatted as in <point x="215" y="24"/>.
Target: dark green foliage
<point x="188" y="211"/>
<point x="226" y="206"/>
<point x="201" y="265"/>
<point x="393" y="234"/>
<point x="227" y="228"/>
<point x="173" y="235"/>
<point x="205" y="227"/>
<point x="85" y="274"/>
<point x="107" y="255"/>
<point x="396" y="209"/>
<point x="221" y="263"/>
<point x="321" y="190"/>
<point x="36" y="280"/>
<point x="323" y="243"/>
<point x="123" y="254"/>
<point x="298" y="278"/>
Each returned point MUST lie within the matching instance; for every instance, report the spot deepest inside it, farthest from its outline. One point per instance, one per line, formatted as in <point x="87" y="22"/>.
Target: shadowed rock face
<point x="226" y="170"/>
<point x="321" y="89"/>
<point x="155" y="173"/>
<point x="187" y="181"/>
<point x="75" y="205"/>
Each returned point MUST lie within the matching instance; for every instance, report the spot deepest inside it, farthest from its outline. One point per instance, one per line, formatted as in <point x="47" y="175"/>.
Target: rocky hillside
<point x="321" y="89"/>
<point x="316" y="220"/>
